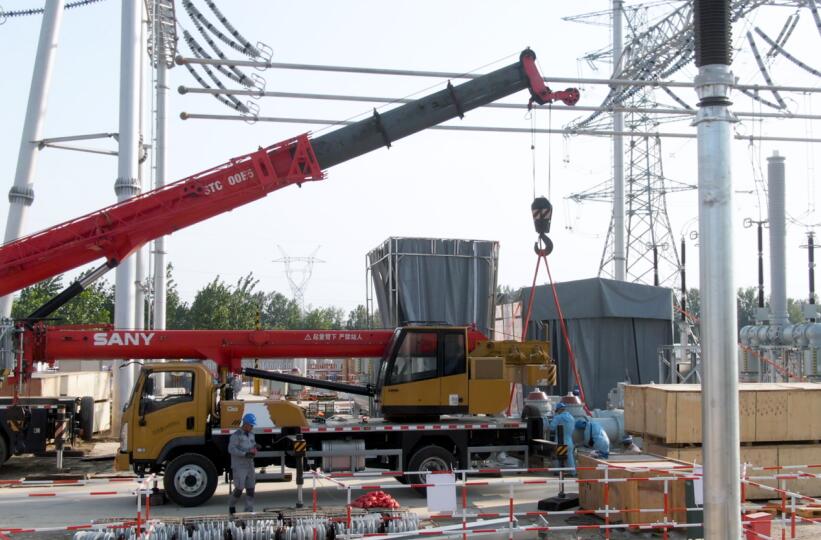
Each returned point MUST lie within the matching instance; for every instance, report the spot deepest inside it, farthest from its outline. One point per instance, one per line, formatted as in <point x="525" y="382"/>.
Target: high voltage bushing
<point x="712" y="32"/>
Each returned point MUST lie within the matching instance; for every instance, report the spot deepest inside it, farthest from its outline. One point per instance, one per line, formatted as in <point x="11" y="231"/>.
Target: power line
<point x="39" y="11"/>
<point x="497" y="129"/>
<point x="517" y="106"/>
<point x="456" y="75"/>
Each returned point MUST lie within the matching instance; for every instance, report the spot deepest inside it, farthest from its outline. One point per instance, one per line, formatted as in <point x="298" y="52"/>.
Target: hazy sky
<point x="433" y="184"/>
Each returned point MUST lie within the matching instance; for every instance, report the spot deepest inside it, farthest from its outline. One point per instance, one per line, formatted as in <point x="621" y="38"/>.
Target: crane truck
<point x="437" y="399"/>
<point x="178" y="416"/>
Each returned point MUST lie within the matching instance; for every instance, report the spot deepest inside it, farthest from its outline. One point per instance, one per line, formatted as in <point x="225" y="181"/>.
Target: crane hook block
<point x="542" y="214"/>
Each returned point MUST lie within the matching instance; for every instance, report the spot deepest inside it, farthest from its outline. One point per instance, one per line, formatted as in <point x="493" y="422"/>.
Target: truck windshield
<point x="165" y="388"/>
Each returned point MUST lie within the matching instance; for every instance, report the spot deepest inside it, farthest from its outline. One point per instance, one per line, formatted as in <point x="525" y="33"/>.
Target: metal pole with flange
<point x="720" y="426"/>
<point x="21" y="194"/>
<point x="619" y="257"/>
<point x="127" y="186"/>
<point x="161" y="142"/>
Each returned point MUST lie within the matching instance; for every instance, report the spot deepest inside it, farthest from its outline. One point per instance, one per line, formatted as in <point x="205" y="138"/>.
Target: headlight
<point x="124" y="437"/>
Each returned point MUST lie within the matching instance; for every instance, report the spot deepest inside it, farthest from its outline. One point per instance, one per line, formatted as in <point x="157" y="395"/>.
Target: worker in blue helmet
<point x="562" y="417"/>
<point x="594" y="437"/>
<point x="243" y="448"/>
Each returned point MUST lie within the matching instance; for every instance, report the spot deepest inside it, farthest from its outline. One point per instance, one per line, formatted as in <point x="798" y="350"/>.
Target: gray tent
<point x="615" y="329"/>
<point x="435" y="280"/>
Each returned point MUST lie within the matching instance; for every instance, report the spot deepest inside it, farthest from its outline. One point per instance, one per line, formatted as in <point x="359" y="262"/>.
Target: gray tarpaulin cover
<point x="435" y="280"/>
<point x="615" y="329"/>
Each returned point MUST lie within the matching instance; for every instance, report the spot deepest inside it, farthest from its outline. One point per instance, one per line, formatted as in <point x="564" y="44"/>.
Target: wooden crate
<point x="801" y="454"/>
<point x="634" y="408"/>
<point x="803" y="406"/>
<point x="671" y="414"/>
<point x="73" y="384"/>
<point x="631" y="495"/>
<point x="771" y="413"/>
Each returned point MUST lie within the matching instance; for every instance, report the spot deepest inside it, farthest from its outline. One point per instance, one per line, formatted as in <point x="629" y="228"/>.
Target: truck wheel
<point x="190" y="479"/>
<point x="87" y="418"/>
<point x="429" y="458"/>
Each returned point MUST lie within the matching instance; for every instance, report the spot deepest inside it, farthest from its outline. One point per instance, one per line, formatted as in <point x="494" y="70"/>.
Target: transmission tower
<point x="298" y="270"/>
<point x="659" y="42"/>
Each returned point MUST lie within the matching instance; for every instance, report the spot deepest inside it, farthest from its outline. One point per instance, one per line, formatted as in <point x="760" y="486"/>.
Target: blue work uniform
<point x="240" y="446"/>
<point x="566" y="420"/>
<point x="596" y="438"/>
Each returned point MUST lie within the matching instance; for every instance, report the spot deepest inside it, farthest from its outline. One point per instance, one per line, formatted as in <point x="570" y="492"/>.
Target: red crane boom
<point x="117" y="231"/>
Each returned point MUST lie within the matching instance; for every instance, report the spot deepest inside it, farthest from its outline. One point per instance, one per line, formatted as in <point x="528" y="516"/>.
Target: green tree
<point x="177" y="312"/>
<point x="329" y="318"/>
<point x="36" y="295"/>
<point x="795" y="310"/>
<point x="746" y="305"/>
<point x="95" y="305"/>
<point x="280" y="312"/>
<point x="219" y="306"/>
<point x="358" y="319"/>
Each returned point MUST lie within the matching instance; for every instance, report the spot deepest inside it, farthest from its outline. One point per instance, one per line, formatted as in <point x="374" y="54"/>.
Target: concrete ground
<point x="73" y="504"/>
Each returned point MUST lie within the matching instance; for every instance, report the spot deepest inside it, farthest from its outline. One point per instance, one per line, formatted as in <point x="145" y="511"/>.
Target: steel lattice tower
<point x="298" y="270"/>
<point x="659" y="44"/>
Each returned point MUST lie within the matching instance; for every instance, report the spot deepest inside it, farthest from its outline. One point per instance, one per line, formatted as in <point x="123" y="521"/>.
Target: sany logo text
<point x="123" y="338"/>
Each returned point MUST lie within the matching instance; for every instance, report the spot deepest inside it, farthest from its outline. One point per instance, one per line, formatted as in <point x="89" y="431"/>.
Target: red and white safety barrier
<point x="66" y="482"/>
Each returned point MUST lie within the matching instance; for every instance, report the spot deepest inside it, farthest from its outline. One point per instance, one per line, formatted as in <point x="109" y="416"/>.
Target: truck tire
<point x="86" y="418"/>
<point x="190" y="479"/>
<point x="428" y="458"/>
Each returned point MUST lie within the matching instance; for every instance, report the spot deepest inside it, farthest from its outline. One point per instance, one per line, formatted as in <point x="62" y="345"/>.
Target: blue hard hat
<point x="560" y="406"/>
<point x="581" y="423"/>
<point x="249" y="419"/>
<point x="627" y="440"/>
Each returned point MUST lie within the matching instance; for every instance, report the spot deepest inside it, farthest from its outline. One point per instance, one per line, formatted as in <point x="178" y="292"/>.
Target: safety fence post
<point x="607" y="501"/>
<point x="464" y="505"/>
<point x="59" y="435"/>
<point x="313" y="489"/>
<point x="510" y="512"/>
<point x="792" y="516"/>
<point x="300" y="447"/>
<point x="666" y="506"/>
<point x="782" y="484"/>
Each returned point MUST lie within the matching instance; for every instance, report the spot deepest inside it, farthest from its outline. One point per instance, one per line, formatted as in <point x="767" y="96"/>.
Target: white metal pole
<point x="127" y="185"/>
<point x="718" y="305"/>
<point x="160" y="143"/>
<point x="21" y="194"/>
<point x="619" y="260"/>
<point x="140" y="256"/>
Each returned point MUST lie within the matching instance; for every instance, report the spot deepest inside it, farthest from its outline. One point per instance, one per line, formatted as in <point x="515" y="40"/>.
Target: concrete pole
<point x="126" y="186"/>
<point x="720" y="429"/>
<point x="619" y="258"/>
<point x="160" y="143"/>
<point x="21" y="194"/>
<point x="778" y="240"/>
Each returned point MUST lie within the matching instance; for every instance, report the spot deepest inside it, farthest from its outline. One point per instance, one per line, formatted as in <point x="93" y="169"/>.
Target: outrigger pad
<point x="558" y="503"/>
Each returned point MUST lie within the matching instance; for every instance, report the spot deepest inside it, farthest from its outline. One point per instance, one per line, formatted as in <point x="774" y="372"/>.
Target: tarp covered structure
<point x="614" y="327"/>
<point x="435" y="280"/>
